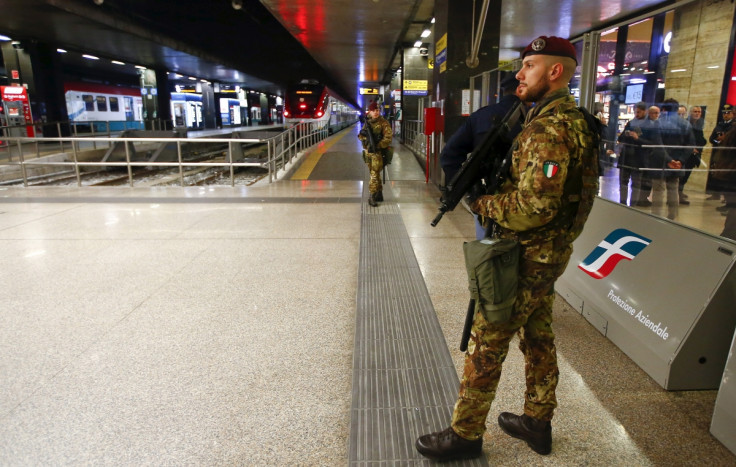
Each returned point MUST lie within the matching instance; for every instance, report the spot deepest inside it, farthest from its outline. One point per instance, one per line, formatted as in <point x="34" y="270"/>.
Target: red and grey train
<point x="313" y="102"/>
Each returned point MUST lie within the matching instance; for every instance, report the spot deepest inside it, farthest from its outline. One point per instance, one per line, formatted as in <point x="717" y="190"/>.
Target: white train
<point x="311" y="101"/>
<point x="102" y="105"/>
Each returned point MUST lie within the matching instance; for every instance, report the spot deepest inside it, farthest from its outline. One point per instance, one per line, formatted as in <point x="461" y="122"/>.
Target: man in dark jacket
<point x="471" y="134"/>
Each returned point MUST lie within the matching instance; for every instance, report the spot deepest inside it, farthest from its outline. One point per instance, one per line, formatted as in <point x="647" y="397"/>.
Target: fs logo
<point x="619" y="244"/>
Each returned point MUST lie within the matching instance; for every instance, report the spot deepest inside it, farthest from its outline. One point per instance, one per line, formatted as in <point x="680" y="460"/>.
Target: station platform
<point x="287" y="323"/>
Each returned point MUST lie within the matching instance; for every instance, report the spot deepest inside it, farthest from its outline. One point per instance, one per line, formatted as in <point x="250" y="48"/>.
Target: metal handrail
<point x="282" y="148"/>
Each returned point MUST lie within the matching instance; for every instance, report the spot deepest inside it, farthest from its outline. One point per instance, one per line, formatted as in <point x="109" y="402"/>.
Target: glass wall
<point x="660" y="86"/>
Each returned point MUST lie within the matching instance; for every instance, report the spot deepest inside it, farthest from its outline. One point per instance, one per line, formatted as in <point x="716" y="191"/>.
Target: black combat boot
<point x="379" y="196"/>
<point x="372" y="200"/>
<point x="447" y="445"/>
<point x="536" y="433"/>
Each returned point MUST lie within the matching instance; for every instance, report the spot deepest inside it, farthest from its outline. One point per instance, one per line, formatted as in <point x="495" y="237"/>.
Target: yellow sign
<point x="415" y="87"/>
<point x="369" y="90"/>
<point x="430" y="63"/>
<point x="440" y="55"/>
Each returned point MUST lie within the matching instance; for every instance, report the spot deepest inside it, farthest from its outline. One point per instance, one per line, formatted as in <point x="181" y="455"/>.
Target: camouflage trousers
<point x="375" y="165"/>
<point x="531" y="318"/>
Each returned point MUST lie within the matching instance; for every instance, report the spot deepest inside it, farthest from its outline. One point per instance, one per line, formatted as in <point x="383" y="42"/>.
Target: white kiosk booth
<point x="723" y="425"/>
<point x="662" y="292"/>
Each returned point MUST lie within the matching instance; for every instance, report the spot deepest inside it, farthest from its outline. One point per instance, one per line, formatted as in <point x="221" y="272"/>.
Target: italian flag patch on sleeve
<point x="551" y="168"/>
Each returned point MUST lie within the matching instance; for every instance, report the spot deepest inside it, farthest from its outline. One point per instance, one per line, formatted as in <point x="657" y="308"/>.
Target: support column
<point x="164" y="100"/>
<point x="453" y="42"/>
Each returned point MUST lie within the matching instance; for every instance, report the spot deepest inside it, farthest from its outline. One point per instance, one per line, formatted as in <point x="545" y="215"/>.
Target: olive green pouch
<point x="493" y="275"/>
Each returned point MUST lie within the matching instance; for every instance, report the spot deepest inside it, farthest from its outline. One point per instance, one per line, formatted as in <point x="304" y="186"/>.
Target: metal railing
<point x="281" y="149"/>
<point x="414" y="137"/>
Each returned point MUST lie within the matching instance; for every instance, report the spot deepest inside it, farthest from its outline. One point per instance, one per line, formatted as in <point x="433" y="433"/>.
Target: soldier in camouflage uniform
<point x="382" y="135"/>
<point x="544" y="203"/>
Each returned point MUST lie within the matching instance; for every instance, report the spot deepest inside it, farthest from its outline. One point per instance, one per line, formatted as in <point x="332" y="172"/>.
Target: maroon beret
<point x="373" y="106"/>
<point x="551" y="45"/>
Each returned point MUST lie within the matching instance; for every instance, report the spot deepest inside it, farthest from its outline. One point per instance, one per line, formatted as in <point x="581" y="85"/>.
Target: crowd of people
<point x="660" y="147"/>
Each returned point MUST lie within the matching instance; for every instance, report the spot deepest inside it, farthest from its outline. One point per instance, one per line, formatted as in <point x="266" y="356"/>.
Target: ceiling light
<point x="4" y="38"/>
<point x="98" y="2"/>
<point x="426" y="33"/>
<point x="418" y="44"/>
<point x="90" y="57"/>
<point x="237" y="4"/>
<point x="117" y="62"/>
<point x="432" y="21"/>
<point x="713" y="67"/>
<point x="61" y="51"/>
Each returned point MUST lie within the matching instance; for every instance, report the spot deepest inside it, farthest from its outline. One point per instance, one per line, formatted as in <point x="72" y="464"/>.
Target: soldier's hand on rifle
<point x="475" y="192"/>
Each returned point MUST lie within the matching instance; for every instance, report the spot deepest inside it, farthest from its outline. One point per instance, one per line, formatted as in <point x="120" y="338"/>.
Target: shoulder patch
<point x="551" y="168"/>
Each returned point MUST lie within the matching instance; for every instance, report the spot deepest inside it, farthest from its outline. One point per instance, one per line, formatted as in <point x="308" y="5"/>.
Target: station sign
<point x="365" y="91"/>
<point x="440" y="57"/>
<point x="415" y="87"/>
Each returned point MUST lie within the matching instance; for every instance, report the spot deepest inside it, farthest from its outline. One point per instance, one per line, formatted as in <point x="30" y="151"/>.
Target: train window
<point x="89" y="102"/>
<point x="114" y="106"/>
<point x="102" y="103"/>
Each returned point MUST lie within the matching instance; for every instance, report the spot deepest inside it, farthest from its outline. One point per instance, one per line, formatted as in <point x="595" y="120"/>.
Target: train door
<point x="128" y="108"/>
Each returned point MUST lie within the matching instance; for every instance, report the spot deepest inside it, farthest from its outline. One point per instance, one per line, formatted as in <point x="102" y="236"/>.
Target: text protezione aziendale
<point x="641" y="317"/>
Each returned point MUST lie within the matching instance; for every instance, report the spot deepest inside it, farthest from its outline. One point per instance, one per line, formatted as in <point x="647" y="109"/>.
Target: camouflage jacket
<point x="552" y="182"/>
<point x="381" y="131"/>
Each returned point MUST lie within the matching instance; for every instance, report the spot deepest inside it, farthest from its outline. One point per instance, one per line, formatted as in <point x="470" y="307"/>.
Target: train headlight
<point x="286" y="113"/>
<point x="319" y="113"/>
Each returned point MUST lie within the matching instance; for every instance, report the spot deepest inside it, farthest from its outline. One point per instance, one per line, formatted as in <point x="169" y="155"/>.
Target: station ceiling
<point x="268" y="44"/>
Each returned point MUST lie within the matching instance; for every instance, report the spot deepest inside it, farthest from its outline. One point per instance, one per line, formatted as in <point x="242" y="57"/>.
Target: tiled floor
<point x="215" y="326"/>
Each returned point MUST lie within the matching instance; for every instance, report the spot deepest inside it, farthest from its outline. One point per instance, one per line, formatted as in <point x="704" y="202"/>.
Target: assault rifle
<point x="489" y="162"/>
<point x="367" y="131"/>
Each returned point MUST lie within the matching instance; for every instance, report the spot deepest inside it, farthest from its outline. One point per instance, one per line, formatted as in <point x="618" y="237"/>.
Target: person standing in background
<point x="472" y="133"/>
<point x="382" y="135"/>
<point x="696" y="123"/>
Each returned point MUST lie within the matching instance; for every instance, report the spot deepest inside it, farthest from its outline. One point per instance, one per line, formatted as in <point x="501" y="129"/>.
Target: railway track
<point x="152" y="175"/>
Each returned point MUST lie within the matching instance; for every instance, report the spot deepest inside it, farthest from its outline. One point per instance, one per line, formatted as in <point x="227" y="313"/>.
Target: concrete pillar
<point x="453" y="29"/>
<point x="164" y="99"/>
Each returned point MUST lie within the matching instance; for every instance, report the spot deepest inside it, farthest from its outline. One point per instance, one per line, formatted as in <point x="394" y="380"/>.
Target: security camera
<point x="237" y="4"/>
<point x="423" y="51"/>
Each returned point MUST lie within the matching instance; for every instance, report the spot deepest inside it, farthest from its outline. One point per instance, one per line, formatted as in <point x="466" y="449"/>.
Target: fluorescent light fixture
<point x="193" y="79"/>
<point x="61" y="51"/>
<point x="418" y="44"/>
<point x="140" y="67"/>
<point x="90" y="57"/>
<point x="4" y="38"/>
<point x="432" y="21"/>
<point x="117" y="62"/>
<point x="426" y="33"/>
<point x="713" y="67"/>
<point x="679" y="70"/>
<point x="637" y="81"/>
